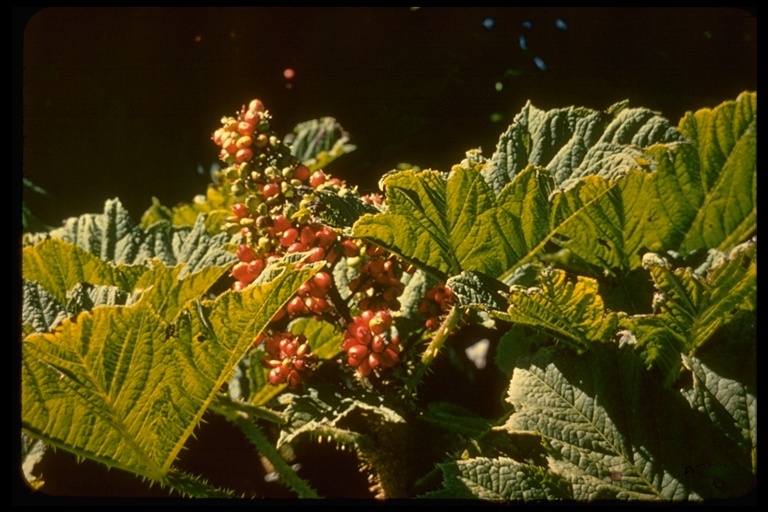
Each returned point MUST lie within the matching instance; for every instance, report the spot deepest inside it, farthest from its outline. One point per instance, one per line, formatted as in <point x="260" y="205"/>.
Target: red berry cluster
<point x="289" y="358"/>
<point x="436" y="302"/>
<point x="273" y="215"/>
<point x="369" y="344"/>
<point x="378" y="284"/>
<point x="312" y="297"/>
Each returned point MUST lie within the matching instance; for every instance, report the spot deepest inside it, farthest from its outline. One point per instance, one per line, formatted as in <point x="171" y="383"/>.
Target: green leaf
<point x="616" y="433"/>
<point x="215" y="204"/>
<point x="517" y="342"/>
<point x="689" y="308"/>
<point x="575" y="142"/>
<point x="730" y="405"/>
<point x="319" y="142"/>
<point x="726" y="138"/>
<point x="478" y="290"/>
<point x="112" y="236"/>
<point x="321" y="414"/>
<point x="445" y="226"/>
<point x="120" y="387"/>
<point x="58" y="266"/>
<point x="452" y="417"/>
<point x="499" y="480"/>
<point x="569" y="309"/>
<point x="340" y="209"/>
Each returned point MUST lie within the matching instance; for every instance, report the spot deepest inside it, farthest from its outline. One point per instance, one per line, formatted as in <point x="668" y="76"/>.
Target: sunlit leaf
<point x="568" y="309"/>
<point x="119" y="386"/>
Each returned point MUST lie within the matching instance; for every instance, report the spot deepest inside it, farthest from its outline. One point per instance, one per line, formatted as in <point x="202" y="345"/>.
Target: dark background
<point x="121" y="102"/>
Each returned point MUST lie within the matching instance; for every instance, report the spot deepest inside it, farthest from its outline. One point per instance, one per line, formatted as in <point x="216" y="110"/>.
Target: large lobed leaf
<point x="575" y="142"/>
<point x="616" y="433"/>
<point x="126" y="387"/>
<point x="318" y="142"/>
<point x="112" y="236"/>
<point x="58" y="266"/>
<point x="606" y="188"/>
<point x="699" y="193"/>
<point x="449" y="225"/>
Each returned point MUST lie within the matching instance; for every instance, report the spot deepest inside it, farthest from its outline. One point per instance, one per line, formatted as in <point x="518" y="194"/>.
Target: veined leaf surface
<point x="122" y="386"/>
<point x="616" y="433"/>
<point x="575" y="142"/>
<point x="112" y="236"/>
<point x="448" y="225"/>
<point x="499" y="480"/>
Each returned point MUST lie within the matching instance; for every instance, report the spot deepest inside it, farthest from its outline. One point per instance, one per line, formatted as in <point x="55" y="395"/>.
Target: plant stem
<point x="438" y="340"/>
<point x="265" y="447"/>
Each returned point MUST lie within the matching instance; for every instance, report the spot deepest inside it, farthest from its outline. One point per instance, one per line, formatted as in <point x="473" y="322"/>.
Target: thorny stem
<point x="438" y="340"/>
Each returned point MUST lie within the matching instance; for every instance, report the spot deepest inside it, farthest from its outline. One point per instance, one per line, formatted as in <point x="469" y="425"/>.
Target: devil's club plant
<point x="599" y="266"/>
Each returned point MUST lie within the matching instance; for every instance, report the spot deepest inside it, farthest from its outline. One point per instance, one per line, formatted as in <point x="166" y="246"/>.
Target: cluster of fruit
<point x="369" y="343"/>
<point x="436" y="303"/>
<point x="289" y="357"/>
<point x="272" y="215"/>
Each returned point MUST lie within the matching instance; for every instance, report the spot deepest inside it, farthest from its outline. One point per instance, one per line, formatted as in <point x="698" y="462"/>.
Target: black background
<point x="121" y="102"/>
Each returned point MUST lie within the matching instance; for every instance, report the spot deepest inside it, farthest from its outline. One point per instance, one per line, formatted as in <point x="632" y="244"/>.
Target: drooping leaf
<point x="319" y="142"/>
<point x="575" y="142"/>
<point x="317" y="413"/>
<point x="32" y="451"/>
<point x="478" y="290"/>
<point x="499" y="480"/>
<point x="118" y="386"/>
<point x="569" y="309"/>
<point x="112" y="236"/>
<point x="39" y="309"/>
<point x="615" y="433"/>
<point x="689" y="308"/>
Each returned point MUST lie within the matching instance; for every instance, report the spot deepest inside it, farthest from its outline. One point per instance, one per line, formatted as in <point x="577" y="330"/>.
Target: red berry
<point x="270" y="189"/>
<point x="323" y="280"/>
<point x="307" y="236"/>
<point x="244" y="155"/>
<point x="349" y="248"/>
<point x="316" y="254"/>
<point x="256" y="105"/>
<point x="280" y="223"/>
<point x="240" y="210"/>
<point x="245" y="253"/>
<point x="245" y="128"/>
<point x="301" y="173"/>
<point x="289" y="237"/>
<point x="317" y="178"/>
